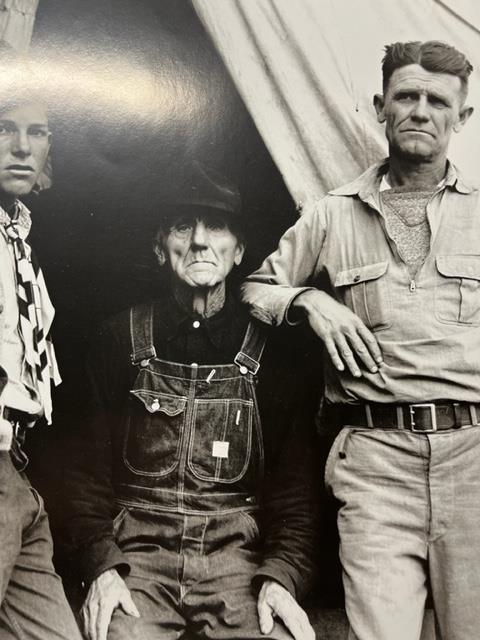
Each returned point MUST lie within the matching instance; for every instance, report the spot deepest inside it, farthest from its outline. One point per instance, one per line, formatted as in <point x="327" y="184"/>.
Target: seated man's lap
<point x="204" y="590"/>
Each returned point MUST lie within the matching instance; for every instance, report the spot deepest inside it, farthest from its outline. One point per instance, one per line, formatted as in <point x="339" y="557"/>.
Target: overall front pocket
<point x="221" y="440"/>
<point x="364" y="290"/>
<point x="457" y="290"/>
<point x="153" y="432"/>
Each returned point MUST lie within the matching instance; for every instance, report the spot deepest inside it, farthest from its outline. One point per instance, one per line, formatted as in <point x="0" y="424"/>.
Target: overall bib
<point x="191" y="468"/>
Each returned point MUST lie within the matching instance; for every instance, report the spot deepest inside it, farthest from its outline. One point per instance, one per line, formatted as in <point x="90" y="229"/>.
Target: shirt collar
<point x="23" y="217"/>
<point x="368" y="184"/>
<point x="178" y="320"/>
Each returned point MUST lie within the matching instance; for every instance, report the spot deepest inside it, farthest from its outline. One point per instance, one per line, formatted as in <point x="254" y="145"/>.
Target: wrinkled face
<point x="420" y="110"/>
<point x="201" y="250"/>
<point x="24" y="146"/>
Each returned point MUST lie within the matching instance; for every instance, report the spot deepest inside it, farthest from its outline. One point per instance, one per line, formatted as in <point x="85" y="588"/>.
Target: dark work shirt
<point x="287" y="392"/>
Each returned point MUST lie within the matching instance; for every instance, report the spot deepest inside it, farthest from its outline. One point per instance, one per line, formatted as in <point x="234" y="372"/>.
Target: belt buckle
<point x="433" y="417"/>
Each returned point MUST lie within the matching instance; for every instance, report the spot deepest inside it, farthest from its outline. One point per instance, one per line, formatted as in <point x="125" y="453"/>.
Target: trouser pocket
<point x="336" y="455"/>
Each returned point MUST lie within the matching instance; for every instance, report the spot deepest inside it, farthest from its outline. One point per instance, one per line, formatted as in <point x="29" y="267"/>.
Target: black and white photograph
<point x="239" y="319"/>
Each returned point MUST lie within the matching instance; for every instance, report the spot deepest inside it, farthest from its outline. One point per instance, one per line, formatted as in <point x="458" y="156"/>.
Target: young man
<point x="33" y="603"/>
<point x="399" y="248"/>
<point x="213" y="491"/>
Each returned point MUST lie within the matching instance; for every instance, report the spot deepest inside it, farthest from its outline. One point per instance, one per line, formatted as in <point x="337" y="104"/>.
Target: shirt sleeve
<point x="290" y="515"/>
<point x="92" y="509"/>
<point x="286" y="272"/>
<point x="289" y="395"/>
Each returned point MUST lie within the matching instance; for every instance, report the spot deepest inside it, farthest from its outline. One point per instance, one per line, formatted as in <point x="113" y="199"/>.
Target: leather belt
<point x="424" y="417"/>
<point x="15" y="416"/>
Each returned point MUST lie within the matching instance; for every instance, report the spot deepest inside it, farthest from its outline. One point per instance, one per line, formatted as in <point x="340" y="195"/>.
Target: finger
<point x="103" y="619"/>
<point x="371" y="342"/>
<point x="265" y="615"/>
<point x="85" y="621"/>
<point x="361" y="351"/>
<point x="90" y="620"/>
<point x="296" y="621"/>
<point x="334" y="355"/>
<point x="128" y="605"/>
<point x="347" y="356"/>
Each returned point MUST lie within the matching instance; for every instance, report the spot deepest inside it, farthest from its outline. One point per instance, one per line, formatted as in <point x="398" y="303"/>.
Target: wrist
<point x="305" y="301"/>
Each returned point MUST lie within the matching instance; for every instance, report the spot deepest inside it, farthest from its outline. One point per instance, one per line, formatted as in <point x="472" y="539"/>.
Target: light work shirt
<point x="19" y="390"/>
<point x="427" y="327"/>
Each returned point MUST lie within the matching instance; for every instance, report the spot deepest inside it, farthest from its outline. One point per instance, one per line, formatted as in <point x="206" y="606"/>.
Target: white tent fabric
<point x="17" y="18"/>
<point x="308" y="69"/>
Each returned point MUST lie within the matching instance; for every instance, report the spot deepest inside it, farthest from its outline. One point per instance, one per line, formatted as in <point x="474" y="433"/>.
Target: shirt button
<point x="196" y="324"/>
<point x="243" y="370"/>
<point x="155" y="405"/>
<point x="144" y="363"/>
<point x="356" y="278"/>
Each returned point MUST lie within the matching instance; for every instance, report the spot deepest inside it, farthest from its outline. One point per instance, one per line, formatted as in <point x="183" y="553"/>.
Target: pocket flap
<point x="361" y="274"/>
<point x="154" y="402"/>
<point x="467" y="266"/>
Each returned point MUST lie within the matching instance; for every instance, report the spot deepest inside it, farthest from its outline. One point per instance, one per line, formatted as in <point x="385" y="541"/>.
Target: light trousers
<point x="409" y="518"/>
<point x="33" y="605"/>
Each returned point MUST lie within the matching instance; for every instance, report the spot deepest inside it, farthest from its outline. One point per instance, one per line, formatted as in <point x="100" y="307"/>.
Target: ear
<point x="464" y="115"/>
<point x="239" y="251"/>
<point x="160" y="253"/>
<point x="379" y="104"/>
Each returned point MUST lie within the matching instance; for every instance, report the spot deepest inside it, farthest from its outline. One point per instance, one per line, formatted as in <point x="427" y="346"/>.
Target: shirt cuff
<point x="100" y="556"/>
<point x="295" y="316"/>
<point x="280" y="572"/>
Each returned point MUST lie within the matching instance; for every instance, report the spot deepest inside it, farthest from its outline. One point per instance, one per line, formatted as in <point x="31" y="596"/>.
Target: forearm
<point x="286" y="273"/>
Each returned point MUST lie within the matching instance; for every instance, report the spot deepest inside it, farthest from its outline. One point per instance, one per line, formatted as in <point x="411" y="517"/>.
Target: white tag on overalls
<point x="220" y="449"/>
<point x="6" y="435"/>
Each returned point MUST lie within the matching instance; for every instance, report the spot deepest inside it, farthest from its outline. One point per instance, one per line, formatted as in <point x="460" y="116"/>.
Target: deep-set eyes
<point x="187" y="227"/>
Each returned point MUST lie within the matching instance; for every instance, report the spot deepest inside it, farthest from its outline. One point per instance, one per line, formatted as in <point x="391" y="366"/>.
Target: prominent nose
<point x="420" y="109"/>
<point x="21" y="143"/>
<point x="200" y="234"/>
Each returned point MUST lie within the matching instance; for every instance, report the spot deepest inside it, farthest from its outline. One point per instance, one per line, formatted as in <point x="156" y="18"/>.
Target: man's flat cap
<point x="204" y="187"/>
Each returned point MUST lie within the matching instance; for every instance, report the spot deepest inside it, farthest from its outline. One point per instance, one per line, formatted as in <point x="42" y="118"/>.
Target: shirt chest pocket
<point x="153" y="432"/>
<point x="457" y="290"/>
<point x="365" y="291"/>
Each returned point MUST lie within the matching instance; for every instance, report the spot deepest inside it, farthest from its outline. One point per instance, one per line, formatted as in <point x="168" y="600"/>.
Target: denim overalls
<point x="187" y="473"/>
<point x="187" y="470"/>
<point x="192" y="440"/>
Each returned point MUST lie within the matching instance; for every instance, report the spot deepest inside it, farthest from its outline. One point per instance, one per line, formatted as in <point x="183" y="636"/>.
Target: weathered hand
<point x="345" y="336"/>
<point x="106" y="593"/>
<point x="275" y="600"/>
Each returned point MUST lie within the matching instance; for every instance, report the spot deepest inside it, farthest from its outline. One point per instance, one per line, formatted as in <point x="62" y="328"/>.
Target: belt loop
<point x="457" y="414"/>
<point x="400" y="421"/>
<point x="368" y="415"/>
<point x="473" y="413"/>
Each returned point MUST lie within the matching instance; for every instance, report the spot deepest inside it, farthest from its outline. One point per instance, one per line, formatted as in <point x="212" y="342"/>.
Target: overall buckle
<point x="433" y="417"/>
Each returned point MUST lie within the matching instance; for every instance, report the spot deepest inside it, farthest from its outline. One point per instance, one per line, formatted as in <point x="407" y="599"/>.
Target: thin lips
<point x="418" y="131"/>
<point x="19" y="167"/>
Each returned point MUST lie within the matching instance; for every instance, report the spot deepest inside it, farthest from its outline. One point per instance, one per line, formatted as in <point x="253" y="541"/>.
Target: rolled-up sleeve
<point x="286" y="272"/>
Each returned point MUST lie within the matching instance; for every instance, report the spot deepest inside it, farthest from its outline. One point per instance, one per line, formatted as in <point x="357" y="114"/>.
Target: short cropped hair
<point x="432" y="55"/>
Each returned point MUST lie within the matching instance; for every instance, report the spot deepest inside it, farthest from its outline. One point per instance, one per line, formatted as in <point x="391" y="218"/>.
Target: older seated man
<point x="193" y="509"/>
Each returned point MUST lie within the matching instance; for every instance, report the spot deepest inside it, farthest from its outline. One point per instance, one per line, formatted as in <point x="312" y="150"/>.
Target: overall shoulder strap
<point x="141" y="333"/>
<point x="248" y="358"/>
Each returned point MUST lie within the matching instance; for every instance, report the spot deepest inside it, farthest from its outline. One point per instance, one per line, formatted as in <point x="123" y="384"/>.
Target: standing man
<point x="33" y="604"/>
<point x="400" y="250"/>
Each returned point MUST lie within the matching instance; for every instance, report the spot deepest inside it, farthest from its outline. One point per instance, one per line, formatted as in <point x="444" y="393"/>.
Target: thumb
<point x="128" y="605"/>
<point x="265" y="616"/>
